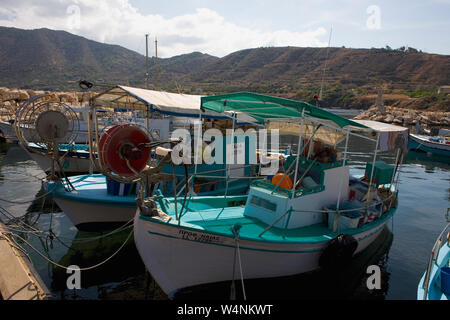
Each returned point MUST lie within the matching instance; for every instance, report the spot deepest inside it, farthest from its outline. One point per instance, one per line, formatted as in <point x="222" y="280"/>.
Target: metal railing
<point x="434" y="256"/>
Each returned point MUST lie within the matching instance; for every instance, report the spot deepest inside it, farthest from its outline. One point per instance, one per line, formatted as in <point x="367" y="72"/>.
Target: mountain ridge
<point x="46" y="59"/>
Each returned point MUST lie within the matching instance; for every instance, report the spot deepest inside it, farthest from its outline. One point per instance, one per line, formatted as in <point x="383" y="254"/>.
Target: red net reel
<point x="121" y="143"/>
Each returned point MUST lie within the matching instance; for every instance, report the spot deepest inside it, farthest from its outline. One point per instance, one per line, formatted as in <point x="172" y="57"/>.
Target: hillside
<point x="303" y="67"/>
<point x="55" y="60"/>
<point x="48" y="59"/>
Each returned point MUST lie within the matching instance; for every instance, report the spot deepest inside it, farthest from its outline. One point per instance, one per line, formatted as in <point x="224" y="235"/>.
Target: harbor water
<point x="402" y="250"/>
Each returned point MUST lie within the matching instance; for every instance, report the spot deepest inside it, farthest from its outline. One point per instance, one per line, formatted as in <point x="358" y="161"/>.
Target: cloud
<point x="118" y="22"/>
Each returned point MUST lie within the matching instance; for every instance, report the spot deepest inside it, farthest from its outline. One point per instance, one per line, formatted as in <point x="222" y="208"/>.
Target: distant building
<point x="444" y="90"/>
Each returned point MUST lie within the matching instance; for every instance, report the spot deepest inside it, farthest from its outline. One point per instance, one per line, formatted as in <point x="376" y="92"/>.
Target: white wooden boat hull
<point x="70" y="164"/>
<point x="179" y="258"/>
<point x="88" y="216"/>
<point x="30" y="135"/>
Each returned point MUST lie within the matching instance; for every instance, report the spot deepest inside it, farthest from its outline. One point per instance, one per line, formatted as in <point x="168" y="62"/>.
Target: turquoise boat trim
<point x="434" y="288"/>
<point x="93" y="190"/>
<point x="231" y="246"/>
<point x="248" y="248"/>
<point x="113" y="201"/>
<point x="264" y="184"/>
<point x="301" y="240"/>
<point x="308" y="162"/>
<point x="415" y="146"/>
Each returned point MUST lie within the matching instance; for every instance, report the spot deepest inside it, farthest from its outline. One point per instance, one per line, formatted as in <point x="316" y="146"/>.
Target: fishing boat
<point x="74" y="158"/>
<point x="435" y="282"/>
<point x="9" y="130"/>
<point x="438" y="145"/>
<point x="97" y="202"/>
<point x="312" y="214"/>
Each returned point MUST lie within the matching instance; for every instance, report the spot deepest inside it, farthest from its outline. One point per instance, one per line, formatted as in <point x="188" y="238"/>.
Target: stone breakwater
<point x="407" y="117"/>
<point x="10" y="99"/>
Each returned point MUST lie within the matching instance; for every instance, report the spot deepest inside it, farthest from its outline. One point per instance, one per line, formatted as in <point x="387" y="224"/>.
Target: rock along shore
<point x="10" y="99"/>
<point x="406" y="117"/>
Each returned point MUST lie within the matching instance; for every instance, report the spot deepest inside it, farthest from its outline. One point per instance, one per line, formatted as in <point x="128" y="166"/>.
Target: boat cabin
<point x="320" y="186"/>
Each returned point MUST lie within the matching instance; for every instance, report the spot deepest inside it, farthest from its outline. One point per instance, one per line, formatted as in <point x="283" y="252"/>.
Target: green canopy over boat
<point x="263" y="107"/>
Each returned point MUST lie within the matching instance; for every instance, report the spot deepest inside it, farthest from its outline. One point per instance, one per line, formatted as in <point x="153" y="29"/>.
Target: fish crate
<point x="347" y="219"/>
<point x="382" y="173"/>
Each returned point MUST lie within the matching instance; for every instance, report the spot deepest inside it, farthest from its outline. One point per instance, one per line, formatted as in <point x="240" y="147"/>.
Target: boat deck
<point x="219" y="221"/>
<point x="92" y="189"/>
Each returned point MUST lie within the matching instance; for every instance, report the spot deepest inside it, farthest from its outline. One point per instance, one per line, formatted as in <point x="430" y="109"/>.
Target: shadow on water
<point x="348" y="282"/>
<point x="43" y="203"/>
<point x="15" y="154"/>
<point x="121" y="277"/>
<point x="4" y="147"/>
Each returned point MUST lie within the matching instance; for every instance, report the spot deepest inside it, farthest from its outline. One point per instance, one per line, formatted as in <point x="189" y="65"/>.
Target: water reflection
<point x="124" y="267"/>
<point x="123" y="277"/>
<point x="430" y="162"/>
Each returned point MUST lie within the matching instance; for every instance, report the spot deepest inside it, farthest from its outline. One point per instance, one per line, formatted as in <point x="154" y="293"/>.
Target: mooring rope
<point x="27" y="229"/>
<point x="235" y="229"/>
<point x="67" y="268"/>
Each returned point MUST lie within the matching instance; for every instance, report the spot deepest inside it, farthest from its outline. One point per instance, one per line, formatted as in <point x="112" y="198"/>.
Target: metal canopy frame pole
<point x="300" y="141"/>
<point x="336" y="220"/>
<point x="196" y="142"/>
<point x="371" y="175"/>
<point x="233" y="152"/>
<point x="397" y="158"/>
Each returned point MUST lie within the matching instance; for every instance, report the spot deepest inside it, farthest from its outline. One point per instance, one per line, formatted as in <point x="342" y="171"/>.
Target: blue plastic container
<point x="120" y="189"/>
<point x="445" y="280"/>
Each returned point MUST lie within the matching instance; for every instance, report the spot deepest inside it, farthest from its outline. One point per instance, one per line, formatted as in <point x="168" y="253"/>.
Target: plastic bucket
<point x="445" y="280"/>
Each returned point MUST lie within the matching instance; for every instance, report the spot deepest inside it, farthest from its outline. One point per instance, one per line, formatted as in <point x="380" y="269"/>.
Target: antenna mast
<point x="325" y="67"/>
<point x="147" y="73"/>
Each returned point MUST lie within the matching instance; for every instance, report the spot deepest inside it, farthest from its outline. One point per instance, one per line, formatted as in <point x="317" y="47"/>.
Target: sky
<point x="220" y="27"/>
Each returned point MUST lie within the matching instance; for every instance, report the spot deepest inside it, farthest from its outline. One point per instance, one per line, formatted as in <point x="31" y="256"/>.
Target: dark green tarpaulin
<point x="262" y="107"/>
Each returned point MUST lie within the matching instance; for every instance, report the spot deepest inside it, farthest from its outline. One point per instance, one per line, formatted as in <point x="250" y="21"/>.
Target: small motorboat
<point x="439" y="145"/>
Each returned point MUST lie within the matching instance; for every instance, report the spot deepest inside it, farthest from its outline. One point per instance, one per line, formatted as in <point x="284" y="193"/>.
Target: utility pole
<point x="324" y="68"/>
<point x="156" y="63"/>
<point x="147" y="73"/>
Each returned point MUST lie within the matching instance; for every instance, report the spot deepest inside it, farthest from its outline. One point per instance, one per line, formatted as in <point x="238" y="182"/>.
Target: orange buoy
<point x="286" y="183"/>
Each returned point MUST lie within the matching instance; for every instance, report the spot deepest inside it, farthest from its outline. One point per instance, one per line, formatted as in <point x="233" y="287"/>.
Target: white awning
<point x="391" y="136"/>
<point x="176" y="104"/>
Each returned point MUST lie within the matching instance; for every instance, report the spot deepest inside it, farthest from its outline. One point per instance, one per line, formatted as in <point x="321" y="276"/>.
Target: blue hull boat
<point x="435" y="283"/>
<point x="93" y="202"/>
<point x="429" y="145"/>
